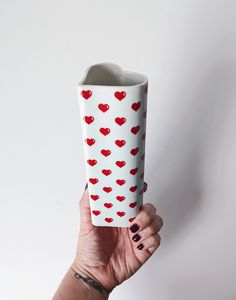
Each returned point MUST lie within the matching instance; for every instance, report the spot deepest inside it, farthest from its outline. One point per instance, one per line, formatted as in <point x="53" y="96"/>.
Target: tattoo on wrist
<point x="91" y="282"/>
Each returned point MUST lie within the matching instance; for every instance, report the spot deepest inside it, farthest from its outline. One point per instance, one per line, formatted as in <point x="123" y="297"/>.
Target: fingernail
<point x="140" y="247"/>
<point x="86" y="186"/>
<point x="136" y="237"/>
<point x="134" y="228"/>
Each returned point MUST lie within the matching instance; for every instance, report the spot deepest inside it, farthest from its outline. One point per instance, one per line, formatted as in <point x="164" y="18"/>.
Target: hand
<point x="111" y="255"/>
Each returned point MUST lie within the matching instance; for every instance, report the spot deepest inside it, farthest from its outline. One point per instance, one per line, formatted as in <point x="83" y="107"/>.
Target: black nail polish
<point x="140" y="247"/>
<point x="136" y="237"/>
<point x="134" y="228"/>
<point x="86" y="186"/>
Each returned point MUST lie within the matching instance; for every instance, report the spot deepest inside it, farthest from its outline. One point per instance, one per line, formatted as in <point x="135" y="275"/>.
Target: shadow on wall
<point x="179" y="180"/>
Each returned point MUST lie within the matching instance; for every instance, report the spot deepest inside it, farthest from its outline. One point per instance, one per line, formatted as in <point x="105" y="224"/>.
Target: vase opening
<point x="111" y="74"/>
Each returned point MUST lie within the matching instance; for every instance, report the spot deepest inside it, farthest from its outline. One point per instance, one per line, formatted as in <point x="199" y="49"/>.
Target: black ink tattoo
<point x="91" y="282"/>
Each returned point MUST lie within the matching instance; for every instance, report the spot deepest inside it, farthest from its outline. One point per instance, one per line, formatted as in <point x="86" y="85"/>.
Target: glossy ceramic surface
<point x="113" y="109"/>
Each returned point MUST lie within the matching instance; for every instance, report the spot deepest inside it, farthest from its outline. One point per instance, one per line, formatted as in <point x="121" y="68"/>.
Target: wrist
<point x="89" y="280"/>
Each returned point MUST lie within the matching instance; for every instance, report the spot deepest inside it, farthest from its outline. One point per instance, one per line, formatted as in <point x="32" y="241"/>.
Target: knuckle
<point x="151" y="207"/>
<point x="153" y="240"/>
<point x="146" y="217"/>
<point x="154" y="227"/>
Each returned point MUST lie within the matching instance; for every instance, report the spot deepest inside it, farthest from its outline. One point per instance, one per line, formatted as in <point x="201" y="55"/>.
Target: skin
<point x="108" y="255"/>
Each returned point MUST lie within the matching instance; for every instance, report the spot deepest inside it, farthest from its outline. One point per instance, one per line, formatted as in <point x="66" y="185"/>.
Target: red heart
<point x="120" y="95"/>
<point x="90" y="142"/>
<point x="103" y="107"/>
<point x="105" y="152"/>
<point x="93" y="180"/>
<point x="120" y="198"/>
<point x="94" y="197"/>
<point x="133" y="204"/>
<point x="105" y="131"/>
<point x="86" y="94"/>
<point x="108" y="205"/>
<point x="135" y="129"/>
<point x="143" y="156"/>
<point x="133" y="171"/>
<point x="92" y="162"/>
<point x="120" y="181"/>
<point x="96" y="212"/>
<point x="133" y="188"/>
<point x="88" y="119"/>
<point x="120" y="143"/>
<point x="120" y="213"/>
<point x="136" y="106"/>
<point x="108" y="220"/>
<point x="120" y="121"/>
<point x="134" y="151"/>
<point x="107" y="189"/>
<point x="131" y="219"/>
<point x="145" y="114"/>
<point x="106" y="172"/>
<point x="143" y="136"/>
<point x="120" y="163"/>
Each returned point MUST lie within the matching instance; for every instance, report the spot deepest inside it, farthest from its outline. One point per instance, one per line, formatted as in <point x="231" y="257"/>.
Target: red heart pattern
<point x="120" y="121"/>
<point x="107" y="189"/>
<point x="93" y="180"/>
<point x="120" y="181"/>
<point x="120" y="95"/>
<point x="120" y="163"/>
<point x="120" y="198"/>
<point x="104" y="211"/>
<point x="89" y="141"/>
<point x="92" y="162"/>
<point x="103" y="107"/>
<point x="94" y="197"/>
<point x="120" y="213"/>
<point x="133" y="188"/>
<point x="108" y="220"/>
<point x="88" y="119"/>
<point x="136" y="106"/>
<point x="135" y="129"/>
<point x="133" y="171"/>
<point x="120" y="143"/>
<point x="105" y="152"/>
<point x="86" y="94"/>
<point x="105" y="131"/>
<point x="134" y="151"/>
<point x="96" y="212"/>
<point x="108" y="205"/>
<point x="106" y="172"/>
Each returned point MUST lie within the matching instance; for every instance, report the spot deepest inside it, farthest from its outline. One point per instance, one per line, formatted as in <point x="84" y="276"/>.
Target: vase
<point x="113" y="111"/>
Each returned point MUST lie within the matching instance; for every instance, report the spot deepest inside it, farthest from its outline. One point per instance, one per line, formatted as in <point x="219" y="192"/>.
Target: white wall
<point x="188" y="51"/>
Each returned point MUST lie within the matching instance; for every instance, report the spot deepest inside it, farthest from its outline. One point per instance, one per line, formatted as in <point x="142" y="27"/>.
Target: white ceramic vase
<point x="113" y="109"/>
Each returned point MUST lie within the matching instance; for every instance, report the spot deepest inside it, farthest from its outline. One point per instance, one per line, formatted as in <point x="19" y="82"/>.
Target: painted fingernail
<point x="136" y="237"/>
<point x="140" y="247"/>
<point x="134" y="228"/>
<point x="86" y="186"/>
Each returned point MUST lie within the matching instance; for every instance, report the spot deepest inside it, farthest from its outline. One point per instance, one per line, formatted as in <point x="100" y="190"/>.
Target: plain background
<point x="188" y="51"/>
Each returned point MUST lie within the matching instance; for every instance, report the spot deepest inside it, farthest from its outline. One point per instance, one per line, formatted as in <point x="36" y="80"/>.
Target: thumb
<point x="85" y="214"/>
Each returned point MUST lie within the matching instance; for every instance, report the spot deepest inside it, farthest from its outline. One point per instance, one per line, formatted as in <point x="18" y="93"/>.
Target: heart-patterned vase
<point x="113" y="109"/>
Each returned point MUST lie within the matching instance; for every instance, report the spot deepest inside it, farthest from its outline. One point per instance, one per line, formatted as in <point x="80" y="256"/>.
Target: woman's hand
<point x="110" y="255"/>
